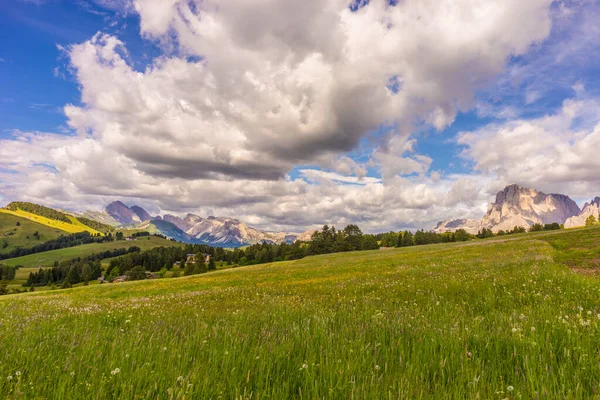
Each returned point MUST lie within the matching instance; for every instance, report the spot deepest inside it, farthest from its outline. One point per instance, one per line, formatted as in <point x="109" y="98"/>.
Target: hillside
<point x="47" y="258"/>
<point x="73" y="226"/>
<point x="16" y="236"/>
<point x="486" y="319"/>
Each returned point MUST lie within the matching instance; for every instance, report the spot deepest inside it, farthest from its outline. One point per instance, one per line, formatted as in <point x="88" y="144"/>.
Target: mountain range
<point x="214" y="231"/>
<point x="520" y="206"/>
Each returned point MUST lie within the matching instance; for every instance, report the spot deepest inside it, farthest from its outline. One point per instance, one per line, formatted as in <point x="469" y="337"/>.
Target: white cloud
<point x="316" y="175"/>
<point x="245" y="91"/>
<point x="554" y="153"/>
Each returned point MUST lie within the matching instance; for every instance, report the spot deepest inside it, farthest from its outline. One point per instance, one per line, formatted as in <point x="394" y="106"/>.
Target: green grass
<point x="74" y="227"/>
<point x="16" y="236"/>
<point x="47" y="258"/>
<point x="490" y="319"/>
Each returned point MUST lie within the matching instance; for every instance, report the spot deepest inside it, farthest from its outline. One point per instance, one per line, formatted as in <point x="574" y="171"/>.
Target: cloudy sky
<point x="290" y="114"/>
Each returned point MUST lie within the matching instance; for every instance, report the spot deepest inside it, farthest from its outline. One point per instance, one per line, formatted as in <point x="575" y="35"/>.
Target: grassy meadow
<point x="32" y="262"/>
<point x="17" y="236"/>
<point x="74" y="227"/>
<point x="491" y="319"/>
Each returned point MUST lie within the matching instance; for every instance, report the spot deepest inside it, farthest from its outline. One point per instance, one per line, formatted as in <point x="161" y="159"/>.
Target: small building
<point x="191" y="258"/>
<point x="101" y="279"/>
<point x="120" y="279"/>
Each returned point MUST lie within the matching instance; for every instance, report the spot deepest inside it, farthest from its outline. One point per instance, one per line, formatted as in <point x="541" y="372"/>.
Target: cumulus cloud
<point x="555" y="153"/>
<point x="246" y="90"/>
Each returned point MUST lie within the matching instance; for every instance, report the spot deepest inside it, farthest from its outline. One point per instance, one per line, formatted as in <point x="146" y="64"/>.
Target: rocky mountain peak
<point x="141" y="213"/>
<point x="122" y="214"/>
<point x="591" y="208"/>
<point x="519" y="206"/>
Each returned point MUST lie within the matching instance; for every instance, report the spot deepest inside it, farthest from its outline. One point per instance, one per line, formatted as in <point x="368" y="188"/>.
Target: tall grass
<point x="486" y="320"/>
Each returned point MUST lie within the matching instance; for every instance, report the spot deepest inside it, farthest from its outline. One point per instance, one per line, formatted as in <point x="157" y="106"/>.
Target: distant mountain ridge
<point x="591" y="208"/>
<point x="214" y="231"/>
<point x="472" y="226"/>
<point x="520" y="206"/>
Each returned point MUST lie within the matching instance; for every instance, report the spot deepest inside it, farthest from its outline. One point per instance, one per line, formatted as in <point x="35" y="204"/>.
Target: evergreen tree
<point x="591" y="220"/>
<point x="189" y="268"/>
<point x="212" y="266"/>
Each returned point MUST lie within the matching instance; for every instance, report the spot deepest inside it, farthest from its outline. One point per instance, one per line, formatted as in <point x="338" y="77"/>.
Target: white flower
<point x="18" y="373"/>
<point x="72" y="374"/>
<point x="510" y="388"/>
<point x="304" y="366"/>
<point x="164" y="349"/>
<point x="514" y="330"/>
<point x="377" y="367"/>
<point x="115" y="371"/>
<point x="533" y="329"/>
<point x="9" y="377"/>
<point x="180" y="379"/>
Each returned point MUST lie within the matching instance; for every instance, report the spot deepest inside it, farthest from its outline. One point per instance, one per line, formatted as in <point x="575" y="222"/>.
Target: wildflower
<point x="9" y="378"/>
<point x="510" y="388"/>
<point x="72" y="374"/>
<point x="377" y="367"/>
<point x="304" y="366"/>
<point x="533" y="329"/>
<point x="115" y="371"/>
<point x="514" y="330"/>
<point x="180" y="379"/>
<point x="164" y="349"/>
<point x="18" y="373"/>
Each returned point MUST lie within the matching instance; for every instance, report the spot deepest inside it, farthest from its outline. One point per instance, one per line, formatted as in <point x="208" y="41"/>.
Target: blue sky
<point x="442" y="129"/>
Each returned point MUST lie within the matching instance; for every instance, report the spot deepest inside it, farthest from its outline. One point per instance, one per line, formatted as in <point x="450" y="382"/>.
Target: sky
<point x="289" y="115"/>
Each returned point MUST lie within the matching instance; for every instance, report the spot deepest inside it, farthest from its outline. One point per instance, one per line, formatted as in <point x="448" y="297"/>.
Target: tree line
<point x="96" y="225"/>
<point x="76" y="270"/>
<point x="60" y="242"/>
<point x="327" y="240"/>
<point x="39" y="210"/>
<point x="422" y="237"/>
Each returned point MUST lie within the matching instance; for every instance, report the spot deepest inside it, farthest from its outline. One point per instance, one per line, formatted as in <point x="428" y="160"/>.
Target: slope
<point x="73" y="227"/>
<point x="23" y="235"/>
<point x="486" y="319"/>
<point x="47" y="258"/>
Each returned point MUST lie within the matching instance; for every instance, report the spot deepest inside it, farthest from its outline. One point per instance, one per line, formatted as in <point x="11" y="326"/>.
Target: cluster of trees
<point x="591" y="220"/>
<point x="140" y="234"/>
<point x="7" y="273"/>
<point x="60" y="242"/>
<point x="96" y="225"/>
<point x="76" y="270"/>
<point x="546" y="227"/>
<point x="485" y="232"/>
<point x="351" y="238"/>
<point x="66" y="274"/>
<point x="327" y="240"/>
<point x="198" y="265"/>
<point x="156" y="259"/>
<point x="39" y="210"/>
<point x="419" y="238"/>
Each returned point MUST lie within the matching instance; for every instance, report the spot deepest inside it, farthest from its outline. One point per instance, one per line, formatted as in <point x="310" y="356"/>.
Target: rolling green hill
<point x="72" y="227"/>
<point x="46" y="259"/>
<point x="16" y="236"/>
<point x="500" y="318"/>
